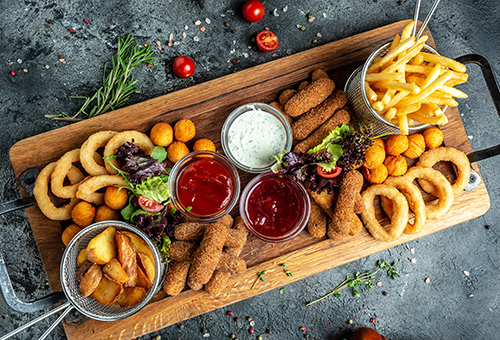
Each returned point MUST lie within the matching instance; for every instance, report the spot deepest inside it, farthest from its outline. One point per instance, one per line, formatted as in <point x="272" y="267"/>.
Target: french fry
<point x="454" y="82"/>
<point x="414" y="79"/>
<point x="417" y="60"/>
<point x="382" y="76"/>
<point x="436" y="120"/>
<point x="369" y="92"/>
<point x="394" y="43"/>
<point x="403" y="124"/>
<point x="392" y="54"/>
<point x="407" y="31"/>
<point x="447" y="62"/>
<point x="412" y="52"/>
<point x="452" y="91"/>
<point x="428" y="90"/>
<point x="395" y="100"/>
<point x="388" y="96"/>
<point x="439" y="100"/>
<point x="391" y="85"/>
<point x="402" y="111"/>
<point x="378" y="105"/>
<point x="391" y="113"/>
<point x="433" y="75"/>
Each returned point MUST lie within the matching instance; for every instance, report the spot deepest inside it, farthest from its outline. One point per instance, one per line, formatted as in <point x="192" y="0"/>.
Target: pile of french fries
<point x="408" y="85"/>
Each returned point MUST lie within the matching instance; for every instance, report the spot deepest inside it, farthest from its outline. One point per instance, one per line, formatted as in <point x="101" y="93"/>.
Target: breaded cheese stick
<point x="182" y="251"/>
<point x="309" y="97"/>
<point x="318" y="74"/>
<point x="281" y="109"/>
<point x="286" y="95"/>
<point x="175" y="279"/>
<point x="316" y="226"/>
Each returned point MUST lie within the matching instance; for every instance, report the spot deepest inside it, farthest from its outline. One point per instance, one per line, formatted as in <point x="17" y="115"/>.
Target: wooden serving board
<point x="207" y="105"/>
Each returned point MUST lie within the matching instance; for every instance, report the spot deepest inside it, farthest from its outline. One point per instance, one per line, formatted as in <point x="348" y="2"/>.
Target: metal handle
<point x="427" y="18"/>
<point x="40" y="318"/>
<point x="59" y="319"/>
<point x="494" y="90"/>
<point x="18" y="204"/>
<point x="13" y="301"/>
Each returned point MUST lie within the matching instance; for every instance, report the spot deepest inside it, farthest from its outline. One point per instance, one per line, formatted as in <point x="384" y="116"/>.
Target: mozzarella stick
<point x="182" y="251"/>
<point x="318" y="74"/>
<point x="280" y="108"/>
<point x="309" y="97"/>
<point x="175" y="279"/>
<point x="316" y="226"/>
<point x="286" y="95"/>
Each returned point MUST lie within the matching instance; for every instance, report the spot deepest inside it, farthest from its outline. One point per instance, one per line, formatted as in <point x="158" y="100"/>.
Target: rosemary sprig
<point x="360" y="279"/>
<point x="260" y="276"/>
<point x="117" y="85"/>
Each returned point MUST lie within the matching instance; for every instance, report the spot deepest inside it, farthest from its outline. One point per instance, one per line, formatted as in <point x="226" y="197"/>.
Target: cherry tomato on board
<point x="149" y="205"/>
<point x="183" y="67"/>
<point x="267" y="41"/>
<point x="253" y="10"/>
<point x="329" y="174"/>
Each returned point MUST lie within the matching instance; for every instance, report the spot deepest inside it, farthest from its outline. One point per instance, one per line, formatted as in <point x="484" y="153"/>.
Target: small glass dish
<point x="254" y="133"/>
<point x="219" y="186"/>
<point x="275" y="207"/>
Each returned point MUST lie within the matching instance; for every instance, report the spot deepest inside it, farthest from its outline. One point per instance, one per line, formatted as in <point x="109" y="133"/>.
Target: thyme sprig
<point x="117" y="85"/>
<point x="287" y="272"/>
<point x="360" y="279"/>
<point x="260" y="276"/>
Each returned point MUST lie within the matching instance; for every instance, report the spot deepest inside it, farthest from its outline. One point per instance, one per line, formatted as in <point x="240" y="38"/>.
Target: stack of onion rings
<point x="63" y="165"/>
<point x="88" y="152"/>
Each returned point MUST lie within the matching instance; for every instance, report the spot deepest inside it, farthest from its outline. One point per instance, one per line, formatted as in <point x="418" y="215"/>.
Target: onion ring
<point x="74" y="175"/>
<point x="399" y="218"/>
<point x="136" y="137"/>
<point x="41" y="193"/>
<point x="445" y="193"/>
<point x="415" y="202"/>
<point x="87" y="190"/>
<point x="457" y="157"/>
<point x="60" y="172"/>
<point x="88" y="151"/>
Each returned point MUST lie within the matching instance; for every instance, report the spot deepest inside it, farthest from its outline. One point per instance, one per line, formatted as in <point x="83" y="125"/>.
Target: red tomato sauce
<point x="274" y="206"/>
<point x="206" y="186"/>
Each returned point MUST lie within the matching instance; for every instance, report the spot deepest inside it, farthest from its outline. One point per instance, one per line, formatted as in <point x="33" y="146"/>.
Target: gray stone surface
<point x="451" y="306"/>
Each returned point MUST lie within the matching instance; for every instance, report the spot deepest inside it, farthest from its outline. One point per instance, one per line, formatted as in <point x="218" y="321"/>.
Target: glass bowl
<point x="254" y="133"/>
<point x="275" y="207"/>
<point x="219" y="185"/>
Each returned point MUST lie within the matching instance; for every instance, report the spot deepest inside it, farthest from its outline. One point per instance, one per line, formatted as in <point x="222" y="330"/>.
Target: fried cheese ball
<point x="396" y="144"/>
<point x="416" y="146"/>
<point x="204" y="144"/>
<point x="162" y="134"/>
<point x="433" y="137"/>
<point x="379" y="142"/>
<point x="184" y="130"/>
<point x="377" y="175"/>
<point x="396" y="165"/>
<point x="83" y="214"/>
<point x="116" y="198"/>
<point x="374" y="156"/>
<point x="105" y="213"/>
<point x="176" y="151"/>
<point x="69" y="233"/>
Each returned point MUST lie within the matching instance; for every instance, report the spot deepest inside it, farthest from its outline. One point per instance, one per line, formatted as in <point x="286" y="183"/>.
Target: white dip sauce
<point x="255" y="137"/>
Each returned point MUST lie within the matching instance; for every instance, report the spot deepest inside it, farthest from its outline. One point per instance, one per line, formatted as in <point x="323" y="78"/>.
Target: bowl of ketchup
<point x="275" y="207"/>
<point x="205" y="186"/>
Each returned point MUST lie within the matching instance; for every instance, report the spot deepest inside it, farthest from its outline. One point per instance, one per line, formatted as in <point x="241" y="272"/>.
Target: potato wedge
<point x="114" y="271"/>
<point x="82" y="270"/>
<point x="127" y="257"/>
<point x="82" y="257"/>
<point x="143" y="280"/>
<point x="91" y="280"/>
<point x="147" y="266"/>
<point x="131" y="296"/>
<point x="107" y="292"/>
<point x="140" y="245"/>
<point x="101" y="249"/>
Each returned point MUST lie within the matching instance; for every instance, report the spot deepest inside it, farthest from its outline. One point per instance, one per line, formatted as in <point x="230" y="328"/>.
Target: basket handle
<point x="494" y="90"/>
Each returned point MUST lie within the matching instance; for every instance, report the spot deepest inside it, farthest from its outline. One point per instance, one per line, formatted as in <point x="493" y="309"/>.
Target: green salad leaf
<point x="153" y="188"/>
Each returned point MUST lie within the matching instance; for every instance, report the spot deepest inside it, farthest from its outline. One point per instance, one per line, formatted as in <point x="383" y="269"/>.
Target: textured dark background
<point x="452" y="306"/>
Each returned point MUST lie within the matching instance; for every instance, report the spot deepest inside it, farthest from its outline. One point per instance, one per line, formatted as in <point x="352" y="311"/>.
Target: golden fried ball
<point x="396" y="144"/>
<point x="69" y="233"/>
<point x="379" y="142"/>
<point x="83" y="214"/>
<point x="204" y="144"/>
<point x="105" y="213"/>
<point x="374" y="156"/>
<point x="176" y="151"/>
<point x="416" y="146"/>
<point x="396" y="165"/>
<point x="116" y="198"/>
<point x="162" y="134"/>
<point x="433" y="137"/>
<point x="184" y="130"/>
<point x="377" y="175"/>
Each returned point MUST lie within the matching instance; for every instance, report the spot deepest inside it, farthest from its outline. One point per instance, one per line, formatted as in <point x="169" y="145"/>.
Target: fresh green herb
<point x="163" y="246"/>
<point x="282" y="290"/>
<point x="287" y="272"/>
<point x="260" y="276"/>
<point x="122" y="173"/>
<point x="117" y="85"/>
<point x="360" y="279"/>
<point x="153" y="188"/>
<point x="330" y="145"/>
<point x="159" y="153"/>
<point x="188" y="209"/>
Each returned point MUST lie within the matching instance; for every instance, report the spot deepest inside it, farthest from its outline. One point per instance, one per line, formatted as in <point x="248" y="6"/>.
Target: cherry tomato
<point x="365" y="333"/>
<point x="253" y="10"/>
<point x="149" y="205"/>
<point x="329" y="174"/>
<point x="267" y="41"/>
<point x="183" y="67"/>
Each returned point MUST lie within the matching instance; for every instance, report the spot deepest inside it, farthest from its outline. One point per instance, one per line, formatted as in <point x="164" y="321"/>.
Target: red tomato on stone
<point x="267" y="41"/>
<point x="183" y="67"/>
<point x="253" y="10"/>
